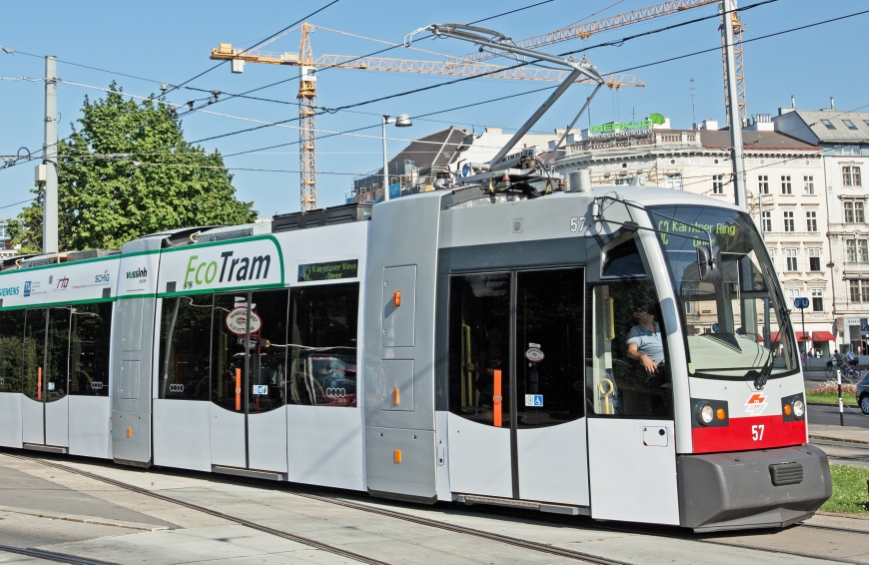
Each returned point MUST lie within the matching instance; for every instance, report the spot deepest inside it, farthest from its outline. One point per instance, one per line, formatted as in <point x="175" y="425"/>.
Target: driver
<point x="644" y="341"/>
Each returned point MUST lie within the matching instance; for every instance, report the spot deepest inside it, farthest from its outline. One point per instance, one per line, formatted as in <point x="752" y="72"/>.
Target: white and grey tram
<point x="461" y="345"/>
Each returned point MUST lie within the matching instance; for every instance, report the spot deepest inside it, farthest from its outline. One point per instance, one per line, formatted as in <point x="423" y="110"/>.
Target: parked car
<point x="863" y="393"/>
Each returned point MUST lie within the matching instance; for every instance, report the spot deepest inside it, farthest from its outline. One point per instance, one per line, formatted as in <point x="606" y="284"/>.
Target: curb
<point x="828" y="404"/>
<point x="84" y="519"/>
<point x="837" y="438"/>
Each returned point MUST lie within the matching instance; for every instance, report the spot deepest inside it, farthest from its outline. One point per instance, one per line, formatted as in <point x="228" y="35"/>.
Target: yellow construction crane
<point x="308" y="86"/>
<point x="585" y="31"/>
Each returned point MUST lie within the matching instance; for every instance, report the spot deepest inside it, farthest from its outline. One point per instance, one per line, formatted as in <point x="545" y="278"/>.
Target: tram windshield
<point x="738" y="327"/>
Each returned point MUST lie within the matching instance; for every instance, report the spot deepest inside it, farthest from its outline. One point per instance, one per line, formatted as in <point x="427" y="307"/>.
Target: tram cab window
<point x="184" y="365"/>
<point x="628" y="374"/>
<point x="12" y="351"/>
<point x="90" y="333"/>
<point x="323" y="344"/>
<point x="623" y="259"/>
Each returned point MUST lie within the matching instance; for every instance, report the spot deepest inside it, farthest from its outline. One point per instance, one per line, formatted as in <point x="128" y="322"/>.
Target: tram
<point x="469" y="345"/>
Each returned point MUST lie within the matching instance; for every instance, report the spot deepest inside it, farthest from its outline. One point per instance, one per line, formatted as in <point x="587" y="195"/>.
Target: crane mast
<point x="307" y="116"/>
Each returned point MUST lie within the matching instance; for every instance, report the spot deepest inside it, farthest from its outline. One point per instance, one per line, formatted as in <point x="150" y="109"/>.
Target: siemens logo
<point x="10" y="291"/>
<point x="230" y="269"/>
<point x="138" y="274"/>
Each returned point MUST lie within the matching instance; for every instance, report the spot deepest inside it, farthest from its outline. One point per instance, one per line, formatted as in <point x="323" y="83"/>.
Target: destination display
<point x="329" y="271"/>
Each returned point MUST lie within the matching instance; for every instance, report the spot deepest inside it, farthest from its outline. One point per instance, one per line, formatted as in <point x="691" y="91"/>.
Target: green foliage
<point x="128" y="172"/>
<point x="849" y="490"/>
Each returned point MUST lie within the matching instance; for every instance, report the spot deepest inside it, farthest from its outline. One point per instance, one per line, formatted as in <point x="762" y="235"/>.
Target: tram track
<point x="53" y="556"/>
<point x="508" y="540"/>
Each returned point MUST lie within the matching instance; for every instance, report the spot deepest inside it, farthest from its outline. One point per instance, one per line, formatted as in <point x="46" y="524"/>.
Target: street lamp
<point x="400" y="121"/>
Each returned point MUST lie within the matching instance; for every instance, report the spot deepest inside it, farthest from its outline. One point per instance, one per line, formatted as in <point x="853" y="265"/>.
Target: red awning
<point x="759" y="338"/>
<point x="823" y="336"/>
<point x="802" y="336"/>
<point x="773" y="336"/>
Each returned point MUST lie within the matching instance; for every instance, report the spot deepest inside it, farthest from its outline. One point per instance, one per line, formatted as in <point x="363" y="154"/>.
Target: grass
<point x="830" y="397"/>
<point x="849" y="490"/>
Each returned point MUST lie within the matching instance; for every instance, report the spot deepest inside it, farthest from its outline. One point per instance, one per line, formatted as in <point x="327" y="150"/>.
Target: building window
<point x="717" y="184"/>
<point x="788" y="220"/>
<point x="811" y="220"/>
<point x="828" y="124"/>
<point x="814" y="258"/>
<point x="859" y="290"/>
<point x="808" y="184"/>
<point x="866" y="122"/>
<point x="857" y="250"/>
<point x="791" y="259"/>
<point x="771" y="251"/>
<point x="854" y="211"/>
<point x="673" y="181"/>
<point x="849" y="124"/>
<point x="851" y="176"/>
<point x="763" y="184"/>
<point x="817" y="299"/>
<point x="786" y="187"/>
<point x="792" y="294"/>
<point x="766" y="218"/>
<point x="851" y="250"/>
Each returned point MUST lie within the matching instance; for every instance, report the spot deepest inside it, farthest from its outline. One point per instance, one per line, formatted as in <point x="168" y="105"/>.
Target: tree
<point x="129" y="172"/>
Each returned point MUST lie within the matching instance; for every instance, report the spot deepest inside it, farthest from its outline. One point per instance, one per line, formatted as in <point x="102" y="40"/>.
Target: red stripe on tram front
<point x="743" y="434"/>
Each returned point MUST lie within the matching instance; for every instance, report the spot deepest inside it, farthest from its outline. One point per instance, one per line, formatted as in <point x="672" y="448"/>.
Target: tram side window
<point x="12" y="351"/>
<point x="56" y="372"/>
<point x="268" y="356"/>
<point x="89" y="349"/>
<point x="34" y="352"/>
<point x="479" y="347"/>
<point x="629" y="375"/>
<point x="322" y="344"/>
<point x="185" y="331"/>
<point x="228" y="335"/>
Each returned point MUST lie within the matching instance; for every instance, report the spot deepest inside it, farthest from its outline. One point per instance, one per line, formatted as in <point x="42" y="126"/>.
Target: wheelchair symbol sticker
<point x="534" y="400"/>
<point x="260" y="389"/>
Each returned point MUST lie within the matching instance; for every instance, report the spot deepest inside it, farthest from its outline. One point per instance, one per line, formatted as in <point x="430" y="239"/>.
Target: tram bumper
<point x="752" y="489"/>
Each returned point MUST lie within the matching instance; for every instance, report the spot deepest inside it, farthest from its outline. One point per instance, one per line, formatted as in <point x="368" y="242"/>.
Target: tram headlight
<point x="705" y="414"/>
<point x="799" y="408"/>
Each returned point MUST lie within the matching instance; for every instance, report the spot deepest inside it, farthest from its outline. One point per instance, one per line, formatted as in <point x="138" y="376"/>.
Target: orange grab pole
<point x="238" y="389"/>
<point x="496" y="399"/>
<point x="39" y="383"/>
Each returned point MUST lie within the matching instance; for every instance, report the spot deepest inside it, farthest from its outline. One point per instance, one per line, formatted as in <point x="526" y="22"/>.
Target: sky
<point x="170" y="42"/>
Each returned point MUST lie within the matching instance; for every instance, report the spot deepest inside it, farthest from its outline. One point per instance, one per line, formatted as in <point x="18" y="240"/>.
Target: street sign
<point x="801" y="302"/>
<point x="715" y="327"/>
<point x="864" y="325"/>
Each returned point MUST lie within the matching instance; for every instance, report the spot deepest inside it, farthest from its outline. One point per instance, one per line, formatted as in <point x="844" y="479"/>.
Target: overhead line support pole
<point x="49" y="207"/>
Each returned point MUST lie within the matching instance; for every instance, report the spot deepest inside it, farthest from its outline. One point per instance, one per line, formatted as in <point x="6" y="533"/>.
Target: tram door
<point x="249" y="360"/>
<point x="517" y="425"/>
<point x="45" y="408"/>
<point x="631" y="447"/>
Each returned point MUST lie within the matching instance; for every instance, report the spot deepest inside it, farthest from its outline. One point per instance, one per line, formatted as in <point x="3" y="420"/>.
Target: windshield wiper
<point x="784" y="328"/>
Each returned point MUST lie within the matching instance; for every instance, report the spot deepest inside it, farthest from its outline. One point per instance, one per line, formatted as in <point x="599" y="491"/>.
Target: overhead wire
<point x="205" y="72"/>
<point x="381" y="51"/>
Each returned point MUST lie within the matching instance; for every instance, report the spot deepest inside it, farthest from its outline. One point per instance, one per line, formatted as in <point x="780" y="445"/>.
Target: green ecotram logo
<point x="229" y="269"/>
<point x="614" y="127"/>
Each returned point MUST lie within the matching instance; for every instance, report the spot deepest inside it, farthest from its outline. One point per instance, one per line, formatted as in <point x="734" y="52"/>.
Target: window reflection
<point x="89" y="349"/>
<point x="322" y="344"/>
<point x="11" y="351"/>
<point x="185" y="330"/>
<point x="34" y="353"/>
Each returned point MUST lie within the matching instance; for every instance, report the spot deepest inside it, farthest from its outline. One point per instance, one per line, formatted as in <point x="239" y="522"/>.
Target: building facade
<point x="844" y="140"/>
<point x="785" y="179"/>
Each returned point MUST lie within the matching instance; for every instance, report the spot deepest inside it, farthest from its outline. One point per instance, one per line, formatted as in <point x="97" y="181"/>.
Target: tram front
<point x="749" y="463"/>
